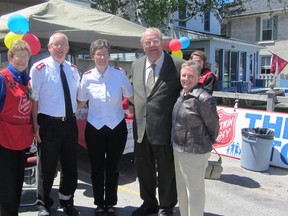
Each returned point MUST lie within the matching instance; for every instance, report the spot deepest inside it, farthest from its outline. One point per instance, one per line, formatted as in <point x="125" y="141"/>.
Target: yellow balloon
<point x="178" y="54"/>
<point x="10" y="37"/>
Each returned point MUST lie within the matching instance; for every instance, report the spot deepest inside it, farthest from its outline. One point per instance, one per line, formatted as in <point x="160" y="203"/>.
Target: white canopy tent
<point x="81" y="25"/>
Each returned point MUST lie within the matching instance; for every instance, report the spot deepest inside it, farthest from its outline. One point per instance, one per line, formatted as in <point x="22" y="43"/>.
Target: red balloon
<point x="33" y="42"/>
<point x="175" y="45"/>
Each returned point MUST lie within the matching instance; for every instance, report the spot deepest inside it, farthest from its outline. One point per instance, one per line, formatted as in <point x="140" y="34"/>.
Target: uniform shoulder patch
<point x="40" y="66"/>
<point x="73" y="65"/>
<point x="87" y="72"/>
<point x="119" y="68"/>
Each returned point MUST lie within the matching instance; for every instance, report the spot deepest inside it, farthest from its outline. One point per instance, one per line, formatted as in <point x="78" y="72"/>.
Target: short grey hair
<point x="98" y="44"/>
<point x="51" y="39"/>
<point x="152" y="29"/>
<point x="193" y="64"/>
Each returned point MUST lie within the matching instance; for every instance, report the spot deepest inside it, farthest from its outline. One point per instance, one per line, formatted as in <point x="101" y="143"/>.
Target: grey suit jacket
<point x="153" y="114"/>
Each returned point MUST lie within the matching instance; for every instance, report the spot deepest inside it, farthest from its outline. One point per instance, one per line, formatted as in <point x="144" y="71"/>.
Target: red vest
<point x="15" y="118"/>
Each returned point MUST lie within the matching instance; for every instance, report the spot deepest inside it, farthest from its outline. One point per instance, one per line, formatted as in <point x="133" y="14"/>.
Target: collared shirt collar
<point x="56" y="64"/>
<point x="103" y="75"/>
<point x="21" y="77"/>
<point x="158" y="62"/>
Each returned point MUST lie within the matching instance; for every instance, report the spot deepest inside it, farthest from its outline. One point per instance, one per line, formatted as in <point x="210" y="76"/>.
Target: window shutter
<point x="258" y="28"/>
<point x="275" y="27"/>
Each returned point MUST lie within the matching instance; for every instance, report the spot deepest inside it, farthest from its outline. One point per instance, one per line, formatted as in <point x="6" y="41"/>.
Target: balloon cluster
<point x="19" y="26"/>
<point x="176" y="45"/>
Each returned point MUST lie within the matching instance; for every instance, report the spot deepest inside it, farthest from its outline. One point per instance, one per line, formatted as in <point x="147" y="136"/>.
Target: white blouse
<point x="104" y="93"/>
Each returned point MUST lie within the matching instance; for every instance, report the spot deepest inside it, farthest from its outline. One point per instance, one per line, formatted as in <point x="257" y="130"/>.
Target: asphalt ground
<point x="238" y="192"/>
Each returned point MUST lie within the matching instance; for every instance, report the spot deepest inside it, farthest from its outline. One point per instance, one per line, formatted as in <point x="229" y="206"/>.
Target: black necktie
<point x="68" y="104"/>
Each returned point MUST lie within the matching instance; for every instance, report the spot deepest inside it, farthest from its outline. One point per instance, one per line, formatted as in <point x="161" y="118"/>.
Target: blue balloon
<point x="18" y="24"/>
<point x="185" y="42"/>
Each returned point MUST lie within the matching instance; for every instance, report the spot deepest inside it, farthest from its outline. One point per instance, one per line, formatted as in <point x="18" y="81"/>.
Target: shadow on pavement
<point x="86" y="188"/>
<point x="277" y="171"/>
<point x="239" y="180"/>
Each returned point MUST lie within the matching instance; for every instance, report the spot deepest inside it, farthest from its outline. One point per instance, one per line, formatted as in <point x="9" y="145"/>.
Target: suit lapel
<point x="141" y="76"/>
<point x="167" y="64"/>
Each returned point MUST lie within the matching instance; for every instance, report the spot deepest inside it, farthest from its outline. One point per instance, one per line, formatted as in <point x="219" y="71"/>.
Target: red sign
<point x="227" y="122"/>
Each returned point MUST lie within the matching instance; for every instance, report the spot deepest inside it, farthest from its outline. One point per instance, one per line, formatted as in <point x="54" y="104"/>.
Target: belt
<point x="63" y="119"/>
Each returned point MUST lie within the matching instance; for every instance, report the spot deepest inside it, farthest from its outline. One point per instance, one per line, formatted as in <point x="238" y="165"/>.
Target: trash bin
<point x="256" y="148"/>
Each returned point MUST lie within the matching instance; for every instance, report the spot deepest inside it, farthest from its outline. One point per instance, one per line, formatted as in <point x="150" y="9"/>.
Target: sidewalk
<point x="239" y="192"/>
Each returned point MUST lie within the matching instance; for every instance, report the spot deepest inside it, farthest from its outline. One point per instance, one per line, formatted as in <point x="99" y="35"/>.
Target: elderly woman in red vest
<point x="207" y="78"/>
<point x="15" y="126"/>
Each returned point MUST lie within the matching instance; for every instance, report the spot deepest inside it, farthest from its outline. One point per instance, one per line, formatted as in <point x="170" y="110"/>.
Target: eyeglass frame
<point x="21" y="57"/>
<point x="152" y="42"/>
<point x="99" y="55"/>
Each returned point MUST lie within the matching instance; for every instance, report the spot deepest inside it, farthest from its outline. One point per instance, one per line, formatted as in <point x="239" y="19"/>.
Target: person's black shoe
<point x="144" y="210"/>
<point x="70" y="210"/>
<point x="99" y="211"/>
<point x="110" y="211"/>
<point x="165" y="212"/>
<point x="43" y="211"/>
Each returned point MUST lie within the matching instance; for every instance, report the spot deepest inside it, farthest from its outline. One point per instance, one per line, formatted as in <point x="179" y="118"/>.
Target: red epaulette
<point x="40" y="66"/>
<point x="73" y="65"/>
<point x="119" y="68"/>
<point x="87" y="72"/>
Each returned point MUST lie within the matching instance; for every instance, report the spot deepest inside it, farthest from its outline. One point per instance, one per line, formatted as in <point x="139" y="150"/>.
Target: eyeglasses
<point x="18" y="57"/>
<point x="153" y="42"/>
<point x="59" y="44"/>
<point x="99" y="55"/>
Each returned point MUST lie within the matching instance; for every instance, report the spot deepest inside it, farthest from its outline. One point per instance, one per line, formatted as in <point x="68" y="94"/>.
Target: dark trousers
<point x="148" y="156"/>
<point x="59" y="141"/>
<point x="105" y="148"/>
<point x="11" y="180"/>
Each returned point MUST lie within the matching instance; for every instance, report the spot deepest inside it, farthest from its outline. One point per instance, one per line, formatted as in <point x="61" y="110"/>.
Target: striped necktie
<point x="150" y="80"/>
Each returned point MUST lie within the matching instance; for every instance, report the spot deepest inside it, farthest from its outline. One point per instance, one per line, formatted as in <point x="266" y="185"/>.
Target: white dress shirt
<point x="47" y="86"/>
<point x="105" y="93"/>
<point x="158" y="66"/>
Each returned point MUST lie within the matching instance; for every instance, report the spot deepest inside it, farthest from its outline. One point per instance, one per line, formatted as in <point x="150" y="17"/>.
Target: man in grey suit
<point x="154" y="98"/>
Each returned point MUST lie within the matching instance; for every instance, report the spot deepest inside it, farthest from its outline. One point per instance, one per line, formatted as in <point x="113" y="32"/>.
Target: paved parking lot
<point x="239" y="192"/>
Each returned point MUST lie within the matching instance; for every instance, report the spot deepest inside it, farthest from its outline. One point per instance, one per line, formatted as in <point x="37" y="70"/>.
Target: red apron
<point x="15" y="118"/>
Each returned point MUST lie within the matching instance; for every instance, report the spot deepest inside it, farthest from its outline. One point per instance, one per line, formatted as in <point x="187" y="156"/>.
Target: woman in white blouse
<point x="106" y="131"/>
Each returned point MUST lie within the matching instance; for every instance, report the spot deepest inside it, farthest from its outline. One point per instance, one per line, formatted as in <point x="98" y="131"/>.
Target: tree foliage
<point x="157" y="13"/>
<point x="160" y="13"/>
<point x="232" y="8"/>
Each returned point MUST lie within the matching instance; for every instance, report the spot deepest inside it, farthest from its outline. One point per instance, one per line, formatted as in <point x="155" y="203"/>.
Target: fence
<point x="235" y="86"/>
<point x="270" y="97"/>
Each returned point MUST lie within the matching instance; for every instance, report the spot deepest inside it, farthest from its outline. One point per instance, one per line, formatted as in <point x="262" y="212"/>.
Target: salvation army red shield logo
<point x="25" y="105"/>
<point x="227" y="122"/>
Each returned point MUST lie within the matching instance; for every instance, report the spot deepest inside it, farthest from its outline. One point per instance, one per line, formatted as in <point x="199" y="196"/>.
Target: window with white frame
<point x="265" y="64"/>
<point x="267" y="30"/>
